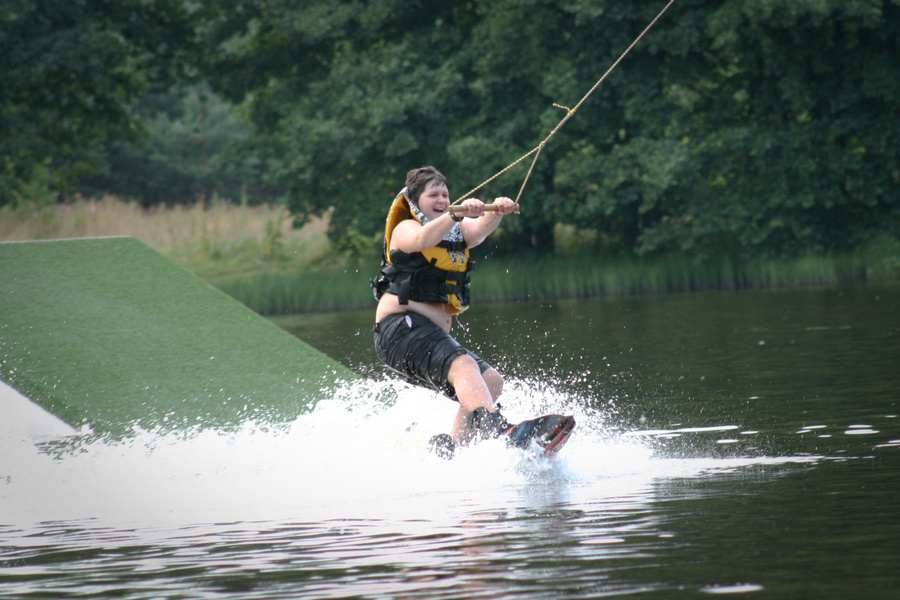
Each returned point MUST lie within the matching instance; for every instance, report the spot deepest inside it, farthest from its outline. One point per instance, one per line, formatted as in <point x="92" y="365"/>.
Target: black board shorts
<point x="420" y="351"/>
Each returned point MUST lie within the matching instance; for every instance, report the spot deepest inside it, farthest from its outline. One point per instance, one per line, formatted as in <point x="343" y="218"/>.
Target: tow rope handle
<point x="458" y="209"/>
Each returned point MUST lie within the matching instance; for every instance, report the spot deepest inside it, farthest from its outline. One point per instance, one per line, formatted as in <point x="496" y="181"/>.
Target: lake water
<point x="739" y="444"/>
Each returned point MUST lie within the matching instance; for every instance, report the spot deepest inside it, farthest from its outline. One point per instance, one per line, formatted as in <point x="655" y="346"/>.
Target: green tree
<point x="349" y="96"/>
<point x="70" y="70"/>
<point x="737" y="127"/>
<point x="192" y="152"/>
<point x="768" y="132"/>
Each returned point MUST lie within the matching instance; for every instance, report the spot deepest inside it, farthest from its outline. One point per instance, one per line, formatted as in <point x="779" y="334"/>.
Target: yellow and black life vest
<point x="439" y="274"/>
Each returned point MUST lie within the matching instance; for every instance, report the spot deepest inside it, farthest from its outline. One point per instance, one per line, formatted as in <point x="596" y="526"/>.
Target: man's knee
<point x="494" y="381"/>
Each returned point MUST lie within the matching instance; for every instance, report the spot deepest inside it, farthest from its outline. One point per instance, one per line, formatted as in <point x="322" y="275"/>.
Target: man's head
<point x="419" y="179"/>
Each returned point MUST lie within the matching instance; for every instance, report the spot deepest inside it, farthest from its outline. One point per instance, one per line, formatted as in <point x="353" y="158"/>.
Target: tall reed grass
<point x="506" y="279"/>
<point x="254" y="254"/>
<point x="587" y="276"/>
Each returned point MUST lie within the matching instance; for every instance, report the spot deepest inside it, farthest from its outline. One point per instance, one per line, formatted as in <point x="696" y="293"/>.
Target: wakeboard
<point x="548" y="434"/>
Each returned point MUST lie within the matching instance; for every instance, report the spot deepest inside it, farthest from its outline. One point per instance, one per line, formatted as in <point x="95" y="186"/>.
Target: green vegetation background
<point x="740" y="144"/>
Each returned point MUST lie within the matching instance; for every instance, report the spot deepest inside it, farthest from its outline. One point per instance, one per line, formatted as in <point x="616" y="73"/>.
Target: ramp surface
<point x="111" y="334"/>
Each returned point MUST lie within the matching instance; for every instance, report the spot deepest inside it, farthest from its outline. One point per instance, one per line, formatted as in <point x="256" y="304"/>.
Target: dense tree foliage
<point x="742" y="127"/>
<point x="70" y="70"/>
<point x="735" y="128"/>
<point x="194" y="152"/>
<point x="769" y="132"/>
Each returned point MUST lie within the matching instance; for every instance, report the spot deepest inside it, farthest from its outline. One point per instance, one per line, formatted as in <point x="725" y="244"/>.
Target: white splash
<point x="361" y="453"/>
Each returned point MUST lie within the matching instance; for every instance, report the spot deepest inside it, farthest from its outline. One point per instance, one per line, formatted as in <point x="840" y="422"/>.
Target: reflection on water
<point x="705" y="463"/>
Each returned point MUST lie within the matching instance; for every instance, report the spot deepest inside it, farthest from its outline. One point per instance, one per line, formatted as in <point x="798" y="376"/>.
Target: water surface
<point x="740" y="444"/>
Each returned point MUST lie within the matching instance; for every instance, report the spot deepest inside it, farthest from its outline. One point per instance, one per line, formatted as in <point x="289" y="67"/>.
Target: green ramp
<point x="109" y="333"/>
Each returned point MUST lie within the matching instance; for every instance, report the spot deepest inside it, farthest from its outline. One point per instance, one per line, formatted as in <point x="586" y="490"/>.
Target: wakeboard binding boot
<point x="550" y="432"/>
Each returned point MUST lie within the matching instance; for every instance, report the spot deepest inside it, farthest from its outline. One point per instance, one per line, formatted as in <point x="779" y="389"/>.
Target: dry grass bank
<point x="215" y="240"/>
